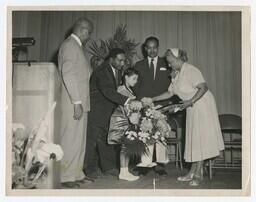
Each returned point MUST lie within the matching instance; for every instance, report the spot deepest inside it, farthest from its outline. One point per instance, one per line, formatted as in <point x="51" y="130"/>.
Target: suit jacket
<point x="104" y="95"/>
<point x="147" y="86"/>
<point x="75" y="72"/>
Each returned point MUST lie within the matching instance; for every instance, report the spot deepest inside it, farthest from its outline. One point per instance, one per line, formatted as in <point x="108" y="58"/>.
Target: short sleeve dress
<point x="119" y="122"/>
<point x="203" y="134"/>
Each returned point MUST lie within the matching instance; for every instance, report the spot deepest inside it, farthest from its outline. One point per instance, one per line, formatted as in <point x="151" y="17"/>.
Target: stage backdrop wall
<point x="212" y="40"/>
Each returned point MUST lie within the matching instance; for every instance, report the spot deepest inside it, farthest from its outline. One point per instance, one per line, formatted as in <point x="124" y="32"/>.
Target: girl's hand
<point x="173" y="74"/>
<point x="185" y="104"/>
<point x="147" y="101"/>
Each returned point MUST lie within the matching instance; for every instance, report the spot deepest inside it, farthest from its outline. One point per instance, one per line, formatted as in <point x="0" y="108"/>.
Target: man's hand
<point x="78" y="111"/>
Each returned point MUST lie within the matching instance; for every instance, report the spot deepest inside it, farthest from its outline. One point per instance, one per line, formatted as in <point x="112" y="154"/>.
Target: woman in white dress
<point x="203" y="134"/>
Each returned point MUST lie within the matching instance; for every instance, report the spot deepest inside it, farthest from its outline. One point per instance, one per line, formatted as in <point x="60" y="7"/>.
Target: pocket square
<point x="163" y="69"/>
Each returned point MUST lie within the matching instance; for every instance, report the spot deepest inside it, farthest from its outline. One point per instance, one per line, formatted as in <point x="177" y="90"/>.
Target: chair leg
<point x="176" y="155"/>
<point x="180" y="156"/>
<point x="232" y="157"/>
<point x="210" y="169"/>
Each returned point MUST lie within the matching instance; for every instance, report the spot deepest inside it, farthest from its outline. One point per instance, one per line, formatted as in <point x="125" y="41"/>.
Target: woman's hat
<point x="175" y="52"/>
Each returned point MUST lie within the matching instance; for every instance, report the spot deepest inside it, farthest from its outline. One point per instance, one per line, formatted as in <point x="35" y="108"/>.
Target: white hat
<point x="175" y="52"/>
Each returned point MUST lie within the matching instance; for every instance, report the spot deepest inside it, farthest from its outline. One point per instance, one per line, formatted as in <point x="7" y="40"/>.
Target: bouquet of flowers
<point x="147" y="126"/>
<point x="31" y="154"/>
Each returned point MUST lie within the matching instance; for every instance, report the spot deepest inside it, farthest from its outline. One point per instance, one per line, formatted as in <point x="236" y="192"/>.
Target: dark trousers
<point x="99" y="154"/>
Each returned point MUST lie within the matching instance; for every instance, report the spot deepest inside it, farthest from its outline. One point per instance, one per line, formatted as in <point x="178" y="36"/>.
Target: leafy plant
<point x="100" y="51"/>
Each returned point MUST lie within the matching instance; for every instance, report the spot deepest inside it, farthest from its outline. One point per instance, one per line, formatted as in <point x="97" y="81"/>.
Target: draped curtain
<point x="211" y="39"/>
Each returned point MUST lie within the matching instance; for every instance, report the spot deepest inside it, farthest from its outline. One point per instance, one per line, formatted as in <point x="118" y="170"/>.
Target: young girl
<point x="119" y="122"/>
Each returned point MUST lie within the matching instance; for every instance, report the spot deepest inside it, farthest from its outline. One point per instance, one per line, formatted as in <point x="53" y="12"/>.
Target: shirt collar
<point x="77" y="39"/>
<point x="155" y="59"/>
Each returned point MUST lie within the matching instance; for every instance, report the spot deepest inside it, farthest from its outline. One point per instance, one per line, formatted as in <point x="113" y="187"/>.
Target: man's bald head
<point x="83" y="28"/>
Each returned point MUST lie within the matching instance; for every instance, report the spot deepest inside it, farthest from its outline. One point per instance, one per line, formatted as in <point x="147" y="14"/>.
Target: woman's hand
<point x="185" y="104"/>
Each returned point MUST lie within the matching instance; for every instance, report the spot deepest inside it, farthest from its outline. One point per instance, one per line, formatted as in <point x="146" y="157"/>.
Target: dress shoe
<point x="86" y="180"/>
<point x="197" y="178"/>
<point x="70" y="185"/>
<point x="143" y="171"/>
<point x="196" y="181"/>
<point x="112" y="172"/>
<point x="161" y="173"/>
<point x="186" y="178"/>
<point x="94" y="174"/>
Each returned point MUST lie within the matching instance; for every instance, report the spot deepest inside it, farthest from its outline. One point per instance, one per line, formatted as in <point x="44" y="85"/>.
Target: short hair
<point x="80" y="22"/>
<point x="129" y="72"/>
<point x="152" y="38"/>
<point x="114" y="52"/>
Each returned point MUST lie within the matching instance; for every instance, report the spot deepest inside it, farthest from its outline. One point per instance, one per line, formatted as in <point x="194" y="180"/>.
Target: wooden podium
<point x="35" y="88"/>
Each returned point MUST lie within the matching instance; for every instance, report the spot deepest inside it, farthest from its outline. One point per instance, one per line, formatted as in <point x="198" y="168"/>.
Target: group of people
<point x="91" y="99"/>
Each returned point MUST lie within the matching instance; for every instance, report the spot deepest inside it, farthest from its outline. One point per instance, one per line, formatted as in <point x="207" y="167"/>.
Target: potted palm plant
<point x="100" y="51"/>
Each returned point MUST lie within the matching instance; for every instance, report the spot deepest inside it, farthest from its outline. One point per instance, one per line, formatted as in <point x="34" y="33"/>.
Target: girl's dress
<point x="119" y="122"/>
<point x="203" y="134"/>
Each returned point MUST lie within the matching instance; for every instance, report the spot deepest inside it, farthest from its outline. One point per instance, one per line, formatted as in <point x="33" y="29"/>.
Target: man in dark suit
<point x="154" y="80"/>
<point x="104" y="99"/>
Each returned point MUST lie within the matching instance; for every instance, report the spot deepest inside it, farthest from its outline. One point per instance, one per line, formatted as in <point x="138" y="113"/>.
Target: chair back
<point x="176" y="127"/>
<point x="230" y="122"/>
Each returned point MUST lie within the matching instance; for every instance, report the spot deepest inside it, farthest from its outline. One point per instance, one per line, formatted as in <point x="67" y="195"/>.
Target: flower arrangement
<point x="31" y="154"/>
<point x="147" y="126"/>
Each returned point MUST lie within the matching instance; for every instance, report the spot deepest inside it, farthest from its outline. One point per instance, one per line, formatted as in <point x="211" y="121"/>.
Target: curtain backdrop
<point x="211" y="39"/>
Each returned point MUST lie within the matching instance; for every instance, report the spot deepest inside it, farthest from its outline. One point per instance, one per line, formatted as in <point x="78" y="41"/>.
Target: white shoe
<point x="128" y="177"/>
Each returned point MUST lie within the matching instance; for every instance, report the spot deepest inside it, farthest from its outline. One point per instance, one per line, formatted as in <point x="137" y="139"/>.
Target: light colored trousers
<point x="73" y="141"/>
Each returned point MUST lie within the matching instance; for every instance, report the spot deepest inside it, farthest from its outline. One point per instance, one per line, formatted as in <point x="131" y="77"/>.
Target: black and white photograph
<point x="128" y="99"/>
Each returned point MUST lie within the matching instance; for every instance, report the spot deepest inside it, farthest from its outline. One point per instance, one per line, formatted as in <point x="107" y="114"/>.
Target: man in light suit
<point x="154" y="80"/>
<point x="75" y="73"/>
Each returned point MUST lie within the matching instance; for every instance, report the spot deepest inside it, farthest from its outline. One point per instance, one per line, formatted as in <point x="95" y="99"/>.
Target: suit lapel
<point x="146" y="67"/>
<point x="111" y="74"/>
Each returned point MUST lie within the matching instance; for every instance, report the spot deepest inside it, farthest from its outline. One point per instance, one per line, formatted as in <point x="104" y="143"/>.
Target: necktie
<point x="151" y="69"/>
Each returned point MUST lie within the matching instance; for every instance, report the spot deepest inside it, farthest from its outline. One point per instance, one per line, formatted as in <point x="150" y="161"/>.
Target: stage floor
<point x="222" y="179"/>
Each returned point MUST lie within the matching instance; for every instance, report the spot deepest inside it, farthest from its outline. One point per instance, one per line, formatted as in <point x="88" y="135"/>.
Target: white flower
<point x="143" y="134"/>
<point x="149" y="113"/>
<point x="134" y="118"/>
<point x="16" y="126"/>
<point x="44" y="153"/>
<point x="157" y="133"/>
<point x="154" y="136"/>
<point x="132" y="138"/>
